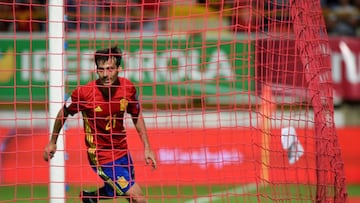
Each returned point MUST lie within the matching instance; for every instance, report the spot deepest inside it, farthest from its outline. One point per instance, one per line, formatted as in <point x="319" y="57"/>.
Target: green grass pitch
<point x="176" y="194"/>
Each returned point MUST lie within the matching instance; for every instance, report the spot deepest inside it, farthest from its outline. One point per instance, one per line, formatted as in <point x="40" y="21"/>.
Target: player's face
<point x="108" y="71"/>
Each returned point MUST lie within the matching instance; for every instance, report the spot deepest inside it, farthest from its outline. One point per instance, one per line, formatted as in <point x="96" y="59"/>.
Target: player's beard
<point x="108" y="90"/>
<point x="107" y="81"/>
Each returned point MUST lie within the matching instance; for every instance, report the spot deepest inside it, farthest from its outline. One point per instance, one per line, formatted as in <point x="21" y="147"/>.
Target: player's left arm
<point x="139" y="123"/>
<point x="134" y="108"/>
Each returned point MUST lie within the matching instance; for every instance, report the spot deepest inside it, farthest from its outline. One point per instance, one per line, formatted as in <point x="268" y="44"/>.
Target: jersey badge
<point x="123" y="104"/>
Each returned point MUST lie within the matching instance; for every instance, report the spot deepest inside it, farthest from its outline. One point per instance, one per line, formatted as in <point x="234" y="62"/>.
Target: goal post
<point x="56" y="90"/>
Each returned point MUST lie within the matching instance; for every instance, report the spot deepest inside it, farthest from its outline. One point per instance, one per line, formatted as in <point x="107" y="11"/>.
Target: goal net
<point x="236" y="97"/>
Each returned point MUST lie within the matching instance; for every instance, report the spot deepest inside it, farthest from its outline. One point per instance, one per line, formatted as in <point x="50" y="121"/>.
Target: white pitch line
<point x="218" y="195"/>
<point x="173" y="119"/>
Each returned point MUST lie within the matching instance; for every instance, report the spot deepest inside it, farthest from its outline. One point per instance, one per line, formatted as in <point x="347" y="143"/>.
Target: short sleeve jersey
<point x="105" y="135"/>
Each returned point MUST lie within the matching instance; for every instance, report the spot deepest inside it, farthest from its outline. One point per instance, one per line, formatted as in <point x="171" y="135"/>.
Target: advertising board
<point x="160" y="67"/>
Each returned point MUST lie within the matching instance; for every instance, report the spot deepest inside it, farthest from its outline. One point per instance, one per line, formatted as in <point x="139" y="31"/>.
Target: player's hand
<point x="49" y="151"/>
<point x="150" y="158"/>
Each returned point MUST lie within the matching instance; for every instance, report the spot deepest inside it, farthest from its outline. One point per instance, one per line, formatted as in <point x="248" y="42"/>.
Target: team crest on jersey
<point x="123" y="183"/>
<point x="123" y="104"/>
<point x="98" y="109"/>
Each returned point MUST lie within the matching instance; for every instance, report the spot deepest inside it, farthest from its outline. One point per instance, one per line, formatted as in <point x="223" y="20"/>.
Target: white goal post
<point x="56" y="96"/>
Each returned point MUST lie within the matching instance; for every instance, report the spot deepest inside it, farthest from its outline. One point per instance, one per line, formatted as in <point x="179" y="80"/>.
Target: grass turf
<point x="176" y="194"/>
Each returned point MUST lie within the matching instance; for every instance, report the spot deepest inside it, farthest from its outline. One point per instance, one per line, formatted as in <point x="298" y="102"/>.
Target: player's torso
<point x="107" y="116"/>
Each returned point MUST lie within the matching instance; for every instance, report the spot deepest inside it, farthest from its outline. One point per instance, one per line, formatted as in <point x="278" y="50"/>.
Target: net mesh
<point x="236" y="96"/>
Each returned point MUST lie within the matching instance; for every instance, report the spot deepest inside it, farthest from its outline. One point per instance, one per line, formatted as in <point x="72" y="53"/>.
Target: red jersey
<point x="105" y="135"/>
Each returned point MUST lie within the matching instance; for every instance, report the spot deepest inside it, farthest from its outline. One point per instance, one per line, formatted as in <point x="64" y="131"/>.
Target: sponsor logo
<point x="7" y="66"/>
<point x="98" y="109"/>
<point x="202" y="157"/>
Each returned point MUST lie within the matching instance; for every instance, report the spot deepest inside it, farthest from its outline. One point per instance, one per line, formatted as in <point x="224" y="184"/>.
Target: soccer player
<point x="103" y="103"/>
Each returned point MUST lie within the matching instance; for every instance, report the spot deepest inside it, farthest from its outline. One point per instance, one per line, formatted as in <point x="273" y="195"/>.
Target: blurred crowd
<point x="342" y="16"/>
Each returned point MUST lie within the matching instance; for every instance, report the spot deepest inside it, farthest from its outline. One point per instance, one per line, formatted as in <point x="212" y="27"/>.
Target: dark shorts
<point x="118" y="176"/>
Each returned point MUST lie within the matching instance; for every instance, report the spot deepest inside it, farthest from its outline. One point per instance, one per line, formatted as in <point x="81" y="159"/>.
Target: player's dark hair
<point x="105" y="54"/>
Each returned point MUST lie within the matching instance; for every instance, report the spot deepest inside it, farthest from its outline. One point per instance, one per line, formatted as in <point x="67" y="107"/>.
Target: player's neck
<point x="108" y="91"/>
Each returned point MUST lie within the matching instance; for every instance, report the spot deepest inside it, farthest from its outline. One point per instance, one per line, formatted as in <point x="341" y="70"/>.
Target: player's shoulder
<point x="87" y="86"/>
<point x="85" y="89"/>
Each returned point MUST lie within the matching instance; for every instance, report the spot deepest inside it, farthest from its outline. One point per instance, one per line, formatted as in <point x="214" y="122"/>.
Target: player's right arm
<point x="71" y="107"/>
<point x="50" y="149"/>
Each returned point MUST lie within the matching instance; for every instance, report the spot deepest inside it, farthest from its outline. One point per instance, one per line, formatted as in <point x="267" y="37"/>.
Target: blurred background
<point x="220" y="18"/>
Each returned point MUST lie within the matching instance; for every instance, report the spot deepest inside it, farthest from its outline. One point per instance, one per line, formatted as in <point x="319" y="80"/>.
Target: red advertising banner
<point x="185" y="157"/>
<point x="345" y="60"/>
<point x="278" y="62"/>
